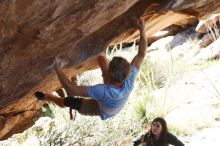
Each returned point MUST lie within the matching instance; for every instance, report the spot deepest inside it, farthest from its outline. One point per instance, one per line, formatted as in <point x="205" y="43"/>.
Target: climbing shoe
<point x="40" y="95"/>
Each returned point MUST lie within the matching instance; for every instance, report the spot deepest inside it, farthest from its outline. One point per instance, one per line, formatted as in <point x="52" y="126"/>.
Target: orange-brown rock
<point x="208" y="25"/>
<point x="33" y="33"/>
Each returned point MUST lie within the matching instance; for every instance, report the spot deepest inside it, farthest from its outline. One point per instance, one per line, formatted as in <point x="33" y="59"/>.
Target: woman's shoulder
<point x="172" y="139"/>
<point x="170" y="136"/>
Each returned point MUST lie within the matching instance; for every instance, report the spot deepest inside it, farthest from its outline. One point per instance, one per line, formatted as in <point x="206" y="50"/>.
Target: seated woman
<point x="158" y="135"/>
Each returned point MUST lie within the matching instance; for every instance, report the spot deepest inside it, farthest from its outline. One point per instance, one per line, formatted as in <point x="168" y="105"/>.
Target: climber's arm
<point x="104" y="65"/>
<point x="139" y="58"/>
<point x="68" y="85"/>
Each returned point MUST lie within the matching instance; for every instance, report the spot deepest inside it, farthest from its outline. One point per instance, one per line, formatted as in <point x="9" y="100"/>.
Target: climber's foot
<point x="40" y="95"/>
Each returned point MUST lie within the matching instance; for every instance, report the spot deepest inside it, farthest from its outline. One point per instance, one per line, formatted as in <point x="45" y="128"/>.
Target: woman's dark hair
<point x="119" y="69"/>
<point x="148" y="139"/>
<point x="164" y="131"/>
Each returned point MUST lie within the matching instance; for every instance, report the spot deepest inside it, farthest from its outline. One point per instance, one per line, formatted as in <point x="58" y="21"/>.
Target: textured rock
<point x="209" y="30"/>
<point x="208" y="25"/>
<point x="33" y="33"/>
<point x="206" y="40"/>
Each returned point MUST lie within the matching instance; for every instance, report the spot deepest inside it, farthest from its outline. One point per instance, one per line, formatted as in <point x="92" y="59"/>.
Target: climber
<point x="106" y="100"/>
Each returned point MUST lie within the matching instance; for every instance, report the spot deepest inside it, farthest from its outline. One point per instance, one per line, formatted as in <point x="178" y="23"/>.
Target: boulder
<point x="33" y="33"/>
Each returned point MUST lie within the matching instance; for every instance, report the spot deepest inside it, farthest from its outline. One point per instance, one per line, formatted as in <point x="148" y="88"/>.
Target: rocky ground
<point x="200" y="115"/>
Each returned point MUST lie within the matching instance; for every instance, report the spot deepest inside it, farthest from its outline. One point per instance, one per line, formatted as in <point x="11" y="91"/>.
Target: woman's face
<point x="156" y="128"/>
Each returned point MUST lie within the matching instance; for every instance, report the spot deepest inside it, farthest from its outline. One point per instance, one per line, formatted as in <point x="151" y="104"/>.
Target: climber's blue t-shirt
<point x="110" y="98"/>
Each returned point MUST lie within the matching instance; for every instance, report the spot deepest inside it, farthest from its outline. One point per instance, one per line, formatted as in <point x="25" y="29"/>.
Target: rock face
<point x="209" y="30"/>
<point x="33" y="33"/>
